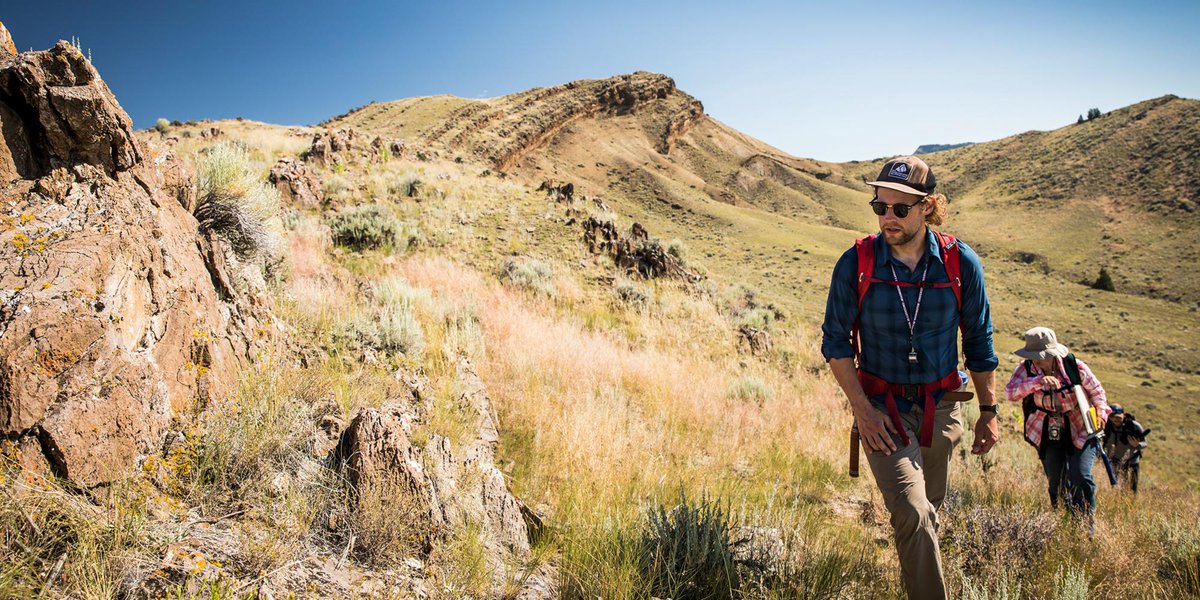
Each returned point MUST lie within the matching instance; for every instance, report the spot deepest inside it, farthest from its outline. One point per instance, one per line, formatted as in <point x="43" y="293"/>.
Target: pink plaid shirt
<point x="1021" y="385"/>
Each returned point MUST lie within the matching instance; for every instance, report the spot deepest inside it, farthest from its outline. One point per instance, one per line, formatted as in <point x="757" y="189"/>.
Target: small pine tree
<point x="1093" y="113"/>
<point x="1080" y="120"/>
<point x="1104" y="281"/>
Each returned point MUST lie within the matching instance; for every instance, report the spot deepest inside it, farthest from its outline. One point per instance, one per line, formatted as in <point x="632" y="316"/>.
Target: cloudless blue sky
<point x="834" y="81"/>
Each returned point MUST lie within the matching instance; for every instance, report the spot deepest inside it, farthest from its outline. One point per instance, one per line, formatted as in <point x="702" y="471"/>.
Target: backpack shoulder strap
<point x="865" y="248"/>
<point x="1072" y="369"/>
<point x="1028" y="367"/>
<point x="952" y="258"/>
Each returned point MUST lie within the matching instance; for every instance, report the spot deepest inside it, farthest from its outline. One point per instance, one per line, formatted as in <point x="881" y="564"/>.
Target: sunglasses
<point x="900" y="210"/>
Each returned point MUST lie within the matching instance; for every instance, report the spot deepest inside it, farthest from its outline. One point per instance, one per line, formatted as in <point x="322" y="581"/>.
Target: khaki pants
<point x="913" y="481"/>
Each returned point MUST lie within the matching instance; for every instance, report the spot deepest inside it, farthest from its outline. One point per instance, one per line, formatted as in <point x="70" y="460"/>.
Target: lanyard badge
<point x="912" y="323"/>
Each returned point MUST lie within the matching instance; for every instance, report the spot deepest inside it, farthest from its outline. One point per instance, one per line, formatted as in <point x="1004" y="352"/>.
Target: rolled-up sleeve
<point x="976" y="315"/>
<point x="840" y="309"/>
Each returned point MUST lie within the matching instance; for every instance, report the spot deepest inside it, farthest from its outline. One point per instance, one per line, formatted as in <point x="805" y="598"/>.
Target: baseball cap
<point x="907" y="174"/>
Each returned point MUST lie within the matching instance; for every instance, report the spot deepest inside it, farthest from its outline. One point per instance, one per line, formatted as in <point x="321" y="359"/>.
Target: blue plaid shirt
<point x="883" y="332"/>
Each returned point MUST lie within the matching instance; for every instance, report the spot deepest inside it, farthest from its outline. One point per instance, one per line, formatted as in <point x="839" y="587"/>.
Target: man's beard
<point x="905" y="237"/>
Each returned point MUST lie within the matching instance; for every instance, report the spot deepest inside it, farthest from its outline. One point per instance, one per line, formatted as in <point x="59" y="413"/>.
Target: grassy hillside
<point x="631" y="408"/>
<point x="750" y="212"/>
<point x="616" y="394"/>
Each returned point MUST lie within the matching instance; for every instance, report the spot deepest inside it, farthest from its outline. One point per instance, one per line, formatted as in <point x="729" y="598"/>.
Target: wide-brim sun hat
<point x="1040" y="344"/>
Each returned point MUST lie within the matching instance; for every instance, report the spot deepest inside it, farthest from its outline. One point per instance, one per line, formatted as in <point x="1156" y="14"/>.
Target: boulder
<point x="110" y="318"/>
<point x="296" y="183"/>
<point x="457" y="481"/>
<point x="57" y="112"/>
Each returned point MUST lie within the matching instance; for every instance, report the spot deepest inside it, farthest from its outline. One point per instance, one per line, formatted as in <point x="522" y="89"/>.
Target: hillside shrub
<point x="746" y="308"/>
<point x="372" y="227"/>
<point x="338" y="189"/>
<point x="529" y="273"/>
<point x="387" y="521"/>
<point x="1181" y="562"/>
<point x="685" y="553"/>
<point x="1104" y="281"/>
<point x="749" y="388"/>
<point x="631" y="296"/>
<point x="986" y="541"/>
<point x="392" y="328"/>
<point x="407" y="186"/>
<point x="679" y="250"/>
<point x="161" y="125"/>
<point x="233" y="202"/>
<point x="1071" y="583"/>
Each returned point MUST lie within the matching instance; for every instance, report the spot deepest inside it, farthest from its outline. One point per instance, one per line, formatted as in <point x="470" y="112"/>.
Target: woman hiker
<point x="1053" y="423"/>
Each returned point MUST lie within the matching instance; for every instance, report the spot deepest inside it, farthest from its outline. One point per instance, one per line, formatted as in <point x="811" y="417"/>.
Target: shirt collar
<point x="931" y="248"/>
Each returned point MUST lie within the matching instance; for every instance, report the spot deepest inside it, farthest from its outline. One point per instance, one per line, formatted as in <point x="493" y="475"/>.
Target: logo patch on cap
<point x="899" y="171"/>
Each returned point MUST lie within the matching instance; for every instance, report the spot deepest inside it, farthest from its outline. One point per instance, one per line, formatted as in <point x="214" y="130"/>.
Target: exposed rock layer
<point x="110" y="312"/>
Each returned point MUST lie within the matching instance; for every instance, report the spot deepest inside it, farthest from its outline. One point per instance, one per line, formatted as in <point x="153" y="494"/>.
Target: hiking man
<point x="896" y="303"/>
<point x="1044" y="382"/>
<point x="1124" y="440"/>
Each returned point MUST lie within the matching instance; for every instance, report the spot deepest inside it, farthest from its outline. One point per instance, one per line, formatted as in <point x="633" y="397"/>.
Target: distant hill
<point x="930" y="148"/>
<point x="1120" y="191"/>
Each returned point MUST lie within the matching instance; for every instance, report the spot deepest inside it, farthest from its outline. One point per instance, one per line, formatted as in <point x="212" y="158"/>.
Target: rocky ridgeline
<point x="506" y="130"/>
<point x="114" y="311"/>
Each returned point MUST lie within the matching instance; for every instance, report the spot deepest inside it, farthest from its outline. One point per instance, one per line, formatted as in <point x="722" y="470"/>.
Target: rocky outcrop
<point x="330" y="148"/>
<point x="558" y="191"/>
<point x="57" y="112"/>
<point x="637" y="253"/>
<point x="387" y="149"/>
<point x="110" y="316"/>
<point x="455" y="482"/>
<point x="297" y="185"/>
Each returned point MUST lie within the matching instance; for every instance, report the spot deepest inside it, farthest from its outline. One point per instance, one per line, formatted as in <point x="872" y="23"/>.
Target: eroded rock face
<point x="457" y="482"/>
<point x="297" y="185"/>
<point x="57" y="112"/>
<point x="109" y="316"/>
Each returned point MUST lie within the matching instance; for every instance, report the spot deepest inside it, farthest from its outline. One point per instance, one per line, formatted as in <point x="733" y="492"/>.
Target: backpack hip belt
<point x="876" y="386"/>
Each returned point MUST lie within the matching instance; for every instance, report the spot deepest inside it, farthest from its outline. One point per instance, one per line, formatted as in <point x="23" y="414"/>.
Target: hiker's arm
<point x="987" y="428"/>
<point x="1021" y="384"/>
<point x="874" y="428"/>
<point x="841" y="309"/>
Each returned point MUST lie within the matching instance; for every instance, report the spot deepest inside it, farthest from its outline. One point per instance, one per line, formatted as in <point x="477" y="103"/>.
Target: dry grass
<point x="610" y="402"/>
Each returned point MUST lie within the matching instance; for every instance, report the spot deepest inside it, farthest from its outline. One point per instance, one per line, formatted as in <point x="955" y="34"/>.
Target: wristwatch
<point x="992" y="408"/>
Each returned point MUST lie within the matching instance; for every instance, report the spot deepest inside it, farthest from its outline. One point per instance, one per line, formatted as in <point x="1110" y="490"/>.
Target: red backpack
<point x="952" y="258"/>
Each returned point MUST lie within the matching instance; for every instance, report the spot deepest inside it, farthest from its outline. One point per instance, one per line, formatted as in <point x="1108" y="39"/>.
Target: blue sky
<point x="833" y="81"/>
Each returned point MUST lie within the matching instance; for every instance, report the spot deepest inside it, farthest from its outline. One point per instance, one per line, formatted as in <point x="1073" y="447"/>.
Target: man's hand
<point x="987" y="433"/>
<point x="875" y="429"/>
